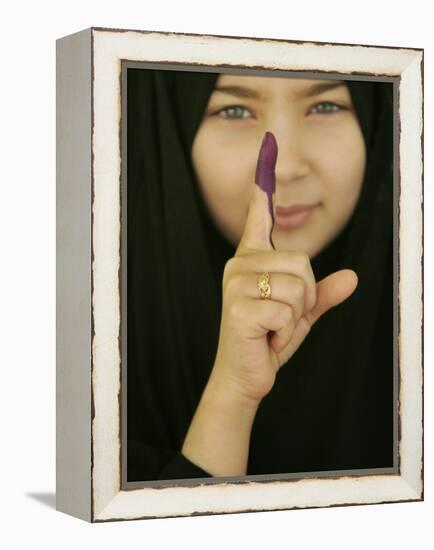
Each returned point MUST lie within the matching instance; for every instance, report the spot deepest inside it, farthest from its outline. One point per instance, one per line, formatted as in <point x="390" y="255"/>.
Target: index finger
<point x="260" y="218"/>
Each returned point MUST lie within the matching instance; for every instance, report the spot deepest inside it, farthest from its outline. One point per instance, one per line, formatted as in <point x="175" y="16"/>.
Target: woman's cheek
<point x="344" y="162"/>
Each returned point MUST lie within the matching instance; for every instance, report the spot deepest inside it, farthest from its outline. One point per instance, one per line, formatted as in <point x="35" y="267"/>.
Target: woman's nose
<point x="292" y="159"/>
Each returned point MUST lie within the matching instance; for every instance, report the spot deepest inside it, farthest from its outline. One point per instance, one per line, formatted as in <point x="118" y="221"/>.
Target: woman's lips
<point x="294" y="216"/>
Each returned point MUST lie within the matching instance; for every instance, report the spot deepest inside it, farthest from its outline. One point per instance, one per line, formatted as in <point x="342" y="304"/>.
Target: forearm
<point x="219" y="434"/>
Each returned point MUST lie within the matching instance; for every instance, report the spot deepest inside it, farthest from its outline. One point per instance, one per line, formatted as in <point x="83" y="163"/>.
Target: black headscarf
<point x="331" y="407"/>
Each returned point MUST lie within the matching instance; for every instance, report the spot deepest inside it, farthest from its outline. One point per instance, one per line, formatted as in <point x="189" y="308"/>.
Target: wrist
<point x="218" y="437"/>
<point x="232" y="391"/>
<point x="223" y="381"/>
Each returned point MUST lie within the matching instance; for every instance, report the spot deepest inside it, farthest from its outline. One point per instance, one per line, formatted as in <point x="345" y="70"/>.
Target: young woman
<point x="224" y="380"/>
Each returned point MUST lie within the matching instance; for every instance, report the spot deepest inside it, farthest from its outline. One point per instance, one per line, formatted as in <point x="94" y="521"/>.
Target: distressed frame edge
<point x="393" y="484"/>
<point x="412" y="472"/>
<point x="251" y="38"/>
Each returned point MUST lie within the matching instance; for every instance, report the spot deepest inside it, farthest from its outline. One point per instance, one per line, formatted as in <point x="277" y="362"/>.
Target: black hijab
<point x="331" y="406"/>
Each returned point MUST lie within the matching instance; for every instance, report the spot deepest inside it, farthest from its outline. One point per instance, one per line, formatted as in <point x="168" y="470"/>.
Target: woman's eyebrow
<point x="313" y="89"/>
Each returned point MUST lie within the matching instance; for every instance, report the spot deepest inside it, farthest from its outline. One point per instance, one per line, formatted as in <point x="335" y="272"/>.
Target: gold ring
<point x="264" y="286"/>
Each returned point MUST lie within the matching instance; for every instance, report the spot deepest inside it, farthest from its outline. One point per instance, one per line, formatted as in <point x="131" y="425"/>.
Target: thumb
<point x="332" y="291"/>
<point x="260" y="217"/>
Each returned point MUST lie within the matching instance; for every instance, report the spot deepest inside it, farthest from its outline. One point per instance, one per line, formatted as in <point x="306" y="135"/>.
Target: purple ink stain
<point x="265" y="177"/>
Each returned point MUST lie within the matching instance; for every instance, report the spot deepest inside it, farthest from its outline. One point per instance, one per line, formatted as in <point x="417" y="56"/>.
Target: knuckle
<point x="287" y="257"/>
<point x="228" y="271"/>
<point x="286" y="315"/>
<point x="300" y="259"/>
<point x="298" y="288"/>
<point x="236" y="310"/>
<point x="234" y="283"/>
<point x="313" y="299"/>
<point x="228" y="267"/>
<point x="303" y="260"/>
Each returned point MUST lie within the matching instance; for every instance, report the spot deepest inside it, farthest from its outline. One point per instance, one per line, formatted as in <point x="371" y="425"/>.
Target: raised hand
<point x="258" y="336"/>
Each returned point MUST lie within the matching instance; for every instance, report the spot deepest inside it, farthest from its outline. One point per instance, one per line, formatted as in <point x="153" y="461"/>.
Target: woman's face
<point x="321" y="156"/>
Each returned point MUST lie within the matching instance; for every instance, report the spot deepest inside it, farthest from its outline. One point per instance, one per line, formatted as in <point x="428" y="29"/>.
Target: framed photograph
<point x="239" y="274"/>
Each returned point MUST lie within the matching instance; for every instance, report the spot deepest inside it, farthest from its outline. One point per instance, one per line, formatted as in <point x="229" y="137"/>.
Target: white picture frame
<point x="90" y="480"/>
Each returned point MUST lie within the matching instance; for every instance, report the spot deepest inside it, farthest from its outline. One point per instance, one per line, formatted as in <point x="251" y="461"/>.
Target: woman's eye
<point x="238" y="112"/>
<point x="234" y="112"/>
<point x="328" y="107"/>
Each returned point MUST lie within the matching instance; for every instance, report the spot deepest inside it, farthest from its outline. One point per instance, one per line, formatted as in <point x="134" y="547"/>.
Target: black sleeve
<point x="150" y="463"/>
<point x="181" y="468"/>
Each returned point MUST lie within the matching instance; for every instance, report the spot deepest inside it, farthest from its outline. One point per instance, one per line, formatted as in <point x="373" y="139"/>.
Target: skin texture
<point x="265" y="177"/>
<point x="321" y="156"/>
